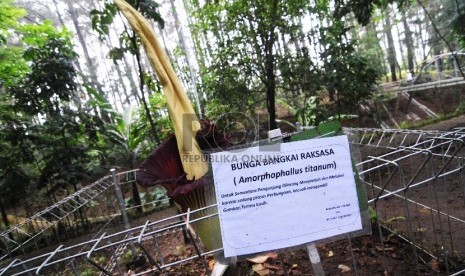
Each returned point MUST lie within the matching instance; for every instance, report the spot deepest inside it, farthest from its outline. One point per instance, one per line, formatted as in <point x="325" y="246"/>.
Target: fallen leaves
<point x="434" y="265"/>
<point x="379" y="248"/>
<point x="260" y="269"/>
<point x="259" y="263"/>
<point x="259" y="259"/>
<point x="344" y="268"/>
<point x="422" y="229"/>
<point x="330" y="254"/>
<point x="273" y="267"/>
<point x="211" y="264"/>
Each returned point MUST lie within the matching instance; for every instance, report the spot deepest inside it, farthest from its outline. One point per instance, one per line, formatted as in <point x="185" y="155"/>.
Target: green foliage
<point x="102" y="19"/>
<point x="370" y="48"/>
<point x="312" y="113"/>
<point x="51" y="79"/>
<point x="348" y="74"/>
<point x="404" y="125"/>
<point x="301" y="77"/>
<point x="158" y="107"/>
<point x="130" y="43"/>
<point x="228" y="86"/>
<point x="245" y="67"/>
<point x="49" y="137"/>
<point x="155" y="198"/>
<point x="362" y="10"/>
<point x="40" y="34"/>
<point x="9" y="16"/>
<point x="242" y="72"/>
<point x="451" y="20"/>
<point x="121" y="134"/>
<point x="12" y="66"/>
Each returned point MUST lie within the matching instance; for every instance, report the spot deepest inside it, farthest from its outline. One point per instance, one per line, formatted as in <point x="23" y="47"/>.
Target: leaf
<point x="274" y="267"/>
<point x="116" y="54"/>
<point x="257" y="267"/>
<point x="344" y="268"/>
<point x="263" y="272"/>
<point x="422" y="229"/>
<point x="260" y="269"/>
<point x="211" y="264"/>
<point x="273" y="255"/>
<point x="259" y="259"/>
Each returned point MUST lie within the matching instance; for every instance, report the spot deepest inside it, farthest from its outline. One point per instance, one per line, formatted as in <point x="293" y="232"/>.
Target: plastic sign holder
<point x="284" y="195"/>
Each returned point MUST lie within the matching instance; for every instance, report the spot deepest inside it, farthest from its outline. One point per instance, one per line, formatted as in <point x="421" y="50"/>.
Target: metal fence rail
<point x="93" y="206"/>
<point x="416" y="189"/>
<point x="127" y="239"/>
<point x="30" y="230"/>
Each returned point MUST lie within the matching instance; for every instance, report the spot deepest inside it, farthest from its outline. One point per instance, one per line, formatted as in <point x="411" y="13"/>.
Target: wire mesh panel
<point x="138" y="247"/>
<point x="416" y="189"/>
<point x="91" y="209"/>
<point x="59" y="221"/>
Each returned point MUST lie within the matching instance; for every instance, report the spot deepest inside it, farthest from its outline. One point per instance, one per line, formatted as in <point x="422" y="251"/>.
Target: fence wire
<point x="414" y="181"/>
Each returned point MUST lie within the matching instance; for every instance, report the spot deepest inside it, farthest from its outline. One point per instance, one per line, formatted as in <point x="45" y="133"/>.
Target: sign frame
<point x="325" y="130"/>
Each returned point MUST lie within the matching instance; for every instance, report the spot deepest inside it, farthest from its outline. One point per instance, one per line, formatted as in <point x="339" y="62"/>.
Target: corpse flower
<point x="179" y="105"/>
<point x="164" y="167"/>
<point x="182" y="177"/>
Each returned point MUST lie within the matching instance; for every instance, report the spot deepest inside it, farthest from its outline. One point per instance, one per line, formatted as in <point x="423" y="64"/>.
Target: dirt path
<point x="447" y="124"/>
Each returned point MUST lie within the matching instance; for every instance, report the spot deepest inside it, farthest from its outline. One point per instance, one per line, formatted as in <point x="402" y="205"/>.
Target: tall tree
<point x="408" y="41"/>
<point x="370" y="46"/>
<point x="73" y="14"/>
<point x="391" y="50"/>
<point x="182" y="41"/>
<point x="45" y="129"/>
<point x="101" y="20"/>
<point x="246" y="33"/>
<point x="15" y="151"/>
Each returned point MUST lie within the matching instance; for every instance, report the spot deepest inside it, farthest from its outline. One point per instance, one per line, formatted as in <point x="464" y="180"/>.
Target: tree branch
<point x="435" y="27"/>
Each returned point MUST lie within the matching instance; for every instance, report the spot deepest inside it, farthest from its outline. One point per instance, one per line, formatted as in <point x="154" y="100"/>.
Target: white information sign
<point x="276" y="199"/>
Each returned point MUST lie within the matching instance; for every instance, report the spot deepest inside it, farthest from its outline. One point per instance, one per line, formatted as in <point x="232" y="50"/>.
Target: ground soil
<point x="397" y="111"/>
<point x="371" y="257"/>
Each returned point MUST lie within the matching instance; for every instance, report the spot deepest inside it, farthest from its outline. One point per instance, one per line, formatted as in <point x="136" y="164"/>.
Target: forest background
<point x="78" y="97"/>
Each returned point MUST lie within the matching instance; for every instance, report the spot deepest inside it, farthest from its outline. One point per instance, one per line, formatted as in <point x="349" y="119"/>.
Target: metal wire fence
<point x="414" y="181"/>
<point x="89" y="210"/>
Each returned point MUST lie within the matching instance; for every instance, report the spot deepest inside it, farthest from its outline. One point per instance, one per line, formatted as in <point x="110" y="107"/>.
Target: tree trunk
<point x="435" y="44"/>
<point x="5" y="219"/>
<point x="186" y="55"/>
<point x="421" y="43"/>
<point x="136" y="198"/>
<point x="60" y="17"/>
<point x="270" y="83"/>
<point x="408" y="44"/>
<point x="372" y="33"/>
<point x="132" y="82"/>
<point x="199" y="56"/>
<point x="94" y="82"/>
<point x="391" y="51"/>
